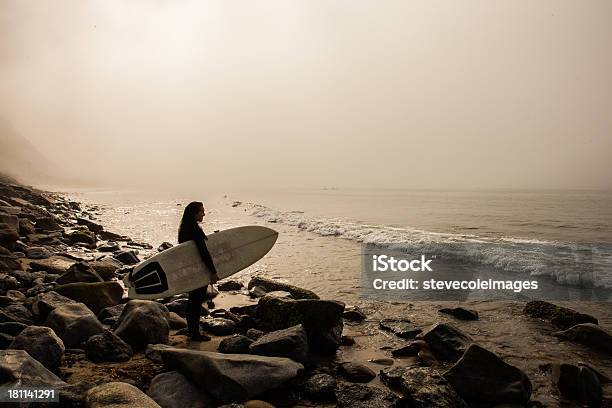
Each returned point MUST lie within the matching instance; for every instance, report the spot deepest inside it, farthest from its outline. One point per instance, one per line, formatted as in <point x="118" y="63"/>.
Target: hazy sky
<point x="432" y="94"/>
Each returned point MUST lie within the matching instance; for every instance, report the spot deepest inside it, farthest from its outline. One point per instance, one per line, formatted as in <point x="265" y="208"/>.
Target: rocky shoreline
<point x="65" y="323"/>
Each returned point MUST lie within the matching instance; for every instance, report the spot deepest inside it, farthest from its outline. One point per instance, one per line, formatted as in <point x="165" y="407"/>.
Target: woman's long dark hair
<point x="188" y="222"/>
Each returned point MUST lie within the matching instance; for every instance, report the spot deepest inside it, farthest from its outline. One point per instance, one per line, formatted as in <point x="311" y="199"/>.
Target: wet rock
<point x="106" y="267"/>
<point x="254" y="333"/>
<point x="271" y="285"/>
<point x="16" y="313"/>
<point x="173" y="390"/>
<point x="590" y="335"/>
<point x="178" y="306"/>
<point x="12" y="328"/>
<point x="320" y="387"/>
<point x="6" y="340"/>
<point x="400" y="327"/>
<point x="110" y="315"/>
<point x="38" y="253"/>
<point x="55" y="264"/>
<point x="92" y="226"/>
<point x="357" y="373"/>
<point x="127" y="257"/>
<point x="231" y="377"/>
<point x="409" y="350"/>
<point x="74" y="323"/>
<point x="143" y="322"/>
<point x="577" y="383"/>
<point x="558" y="316"/>
<point x="118" y="395"/>
<point x="8" y="236"/>
<point x="84" y="237"/>
<point x="460" y="313"/>
<point x="257" y="292"/>
<point x="364" y="396"/>
<point x="236" y="344"/>
<point x="163" y="246"/>
<point x="291" y="343"/>
<point x="79" y="272"/>
<point x="447" y="342"/>
<point x="250" y="310"/>
<point x="106" y="346"/>
<point x="42" y="344"/>
<point x="229" y="285"/>
<point x="422" y="387"/>
<point x="480" y="376"/>
<point x="354" y="314"/>
<point x="96" y="296"/>
<point x="44" y="303"/>
<point x="219" y="326"/>
<point x="153" y="352"/>
<point x="19" y="369"/>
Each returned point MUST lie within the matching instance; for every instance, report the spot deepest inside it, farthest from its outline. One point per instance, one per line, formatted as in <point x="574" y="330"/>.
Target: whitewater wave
<point x="585" y="265"/>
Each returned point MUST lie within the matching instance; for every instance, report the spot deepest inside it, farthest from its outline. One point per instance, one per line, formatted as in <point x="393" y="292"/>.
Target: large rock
<point x="291" y="343"/>
<point x="173" y="390"/>
<point x="79" y="272"/>
<point x="364" y="396"/>
<point x="47" y="224"/>
<point x="106" y="267"/>
<point x="110" y="315"/>
<point x="8" y="236"/>
<point x="127" y="257"/>
<point x="590" y="335"/>
<point x="38" y="253"/>
<point x="83" y="236"/>
<point x="8" y="261"/>
<point x="423" y="387"/>
<point x="96" y="296"/>
<point x="118" y="395"/>
<point x="55" y="264"/>
<point x="320" y="387"/>
<point x="107" y="346"/>
<point x="447" y="342"/>
<point x="236" y="344"/>
<point x="322" y="320"/>
<point x="271" y="285"/>
<point x="74" y="323"/>
<point x="219" y="326"/>
<point x="558" y="316"/>
<point x="143" y="322"/>
<point x="92" y="226"/>
<point x="11" y="220"/>
<point x="12" y="328"/>
<point x="578" y="383"/>
<point x="400" y="327"/>
<point x="45" y="302"/>
<point x="231" y="377"/>
<point x="357" y="373"/>
<point x="480" y="376"/>
<point x="178" y="306"/>
<point x="42" y="344"/>
<point x="16" y="313"/>
<point x="19" y="369"/>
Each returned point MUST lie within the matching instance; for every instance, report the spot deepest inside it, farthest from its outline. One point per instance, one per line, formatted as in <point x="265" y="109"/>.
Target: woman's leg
<point x="194" y="310"/>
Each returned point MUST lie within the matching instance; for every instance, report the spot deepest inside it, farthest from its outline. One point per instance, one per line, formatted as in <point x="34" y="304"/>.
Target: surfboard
<point x="180" y="269"/>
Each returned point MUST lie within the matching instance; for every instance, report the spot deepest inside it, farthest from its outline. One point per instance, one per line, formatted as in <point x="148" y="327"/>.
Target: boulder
<point x="178" y="306"/>
<point x="577" y="383"/>
<point x="74" y="323"/>
<point x="219" y="326"/>
<point x="107" y="346"/>
<point x="481" y="377"/>
<point x="590" y="335"/>
<point x="460" y="313"/>
<point x="127" y="257"/>
<point x="106" y="267"/>
<point x="558" y="316"/>
<point x="354" y="314"/>
<point x="19" y="369"/>
<point x="16" y="313"/>
<point x="143" y="322"/>
<point x="45" y="302"/>
<point x="47" y="224"/>
<point x="400" y="327"/>
<point x="236" y="344"/>
<point x="8" y="261"/>
<point x="291" y="343"/>
<point x="11" y="220"/>
<point x="357" y="373"/>
<point x="173" y="390"/>
<point x="231" y="377"/>
<point x="8" y="282"/>
<point x="163" y="246"/>
<point x="55" y="264"/>
<point x="42" y="344"/>
<point x="83" y="236"/>
<point x="8" y="236"/>
<point x="118" y="395"/>
<point x="364" y="396"/>
<point x="38" y="253"/>
<point x="447" y="342"/>
<point x="26" y="227"/>
<point x="6" y="340"/>
<point x="12" y="328"/>
<point x="320" y="387"/>
<point x="271" y="285"/>
<point x="176" y="322"/>
<point x="110" y="246"/>
<point x="96" y="296"/>
<point x="92" y="226"/>
<point x="79" y="272"/>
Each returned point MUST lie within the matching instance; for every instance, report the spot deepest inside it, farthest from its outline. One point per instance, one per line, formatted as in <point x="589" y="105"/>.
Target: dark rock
<point x="174" y="390"/>
<point x="143" y="322"/>
<point x="118" y="395"/>
<point x="176" y="322"/>
<point x="84" y="237"/>
<point x="347" y="341"/>
<point x="558" y="316"/>
<point x="106" y="267"/>
<point x="44" y="303"/>
<point x="111" y="236"/>
<point x="447" y="342"/>
<point x="92" y="226"/>
<point x="258" y="291"/>
<point x="5" y="340"/>
<point x="219" y="326"/>
<point x="18" y="369"/>
<point x="409" y="350"/>
<point x="42" y="344"/>
<point x="231" y="377"/>
<point x="577" y="383"/>
<point x="8" y="261"/>
<point x="26" y="227"/>
<point x="163" y="246"/>
<point x="8" y="236"/>
<point x="357" y="373"/>
<point x="364" y="396"/>
<point x="153" y="352"/>
<point x="110" y="315"/>
<point x="250" y="310"/>
<point x="73" y="323"/>
<point x="55" y="264"/>
<point x="79" y="272"/>
<point x="47" y="224"/>
<point x="127" y="257"/>
<point x="236" y="344"/>
<point x="12" y="328"/>
<point x="460" y="313"/>
<point x="16" y="313"/>
<point x="354" y="314"/>
<point x="10" y="220"/>
<point x="96" y="296"/>
<point x="106" y="346"/>
<point x="480" y="376"/>
<point x="8" y="282"/>
<point x="590" y="335"/>
<point x="178" y="306"/>
<point x="111" y="246"/>
<point x="38" y="253"/>
<point x="400" y="327"/>
<point x="422" y="387"/>
<point x="320" y="387"/>
<point x="271" y="285"/>
<point x="254" y="334"/>
<point x="229" y="285"/>
<point x="291" y="343"/>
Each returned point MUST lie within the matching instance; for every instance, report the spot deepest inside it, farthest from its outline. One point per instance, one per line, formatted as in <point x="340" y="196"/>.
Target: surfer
<point x="190" y="230"/>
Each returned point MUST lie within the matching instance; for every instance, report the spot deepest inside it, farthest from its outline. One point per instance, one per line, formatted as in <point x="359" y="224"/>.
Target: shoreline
<point x="502" y="327"/>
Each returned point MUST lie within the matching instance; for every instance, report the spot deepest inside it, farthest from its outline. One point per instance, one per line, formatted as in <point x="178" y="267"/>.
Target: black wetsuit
<point x="196" y="297"/>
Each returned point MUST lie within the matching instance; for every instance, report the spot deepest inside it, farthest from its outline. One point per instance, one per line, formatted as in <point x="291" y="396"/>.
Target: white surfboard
<point x="180" y="269"/>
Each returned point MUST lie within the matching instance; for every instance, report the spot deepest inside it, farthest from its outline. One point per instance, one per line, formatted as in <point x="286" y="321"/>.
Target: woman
<point x="188" y="231"/>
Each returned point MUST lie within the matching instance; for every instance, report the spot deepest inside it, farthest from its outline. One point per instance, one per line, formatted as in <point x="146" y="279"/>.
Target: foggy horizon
<point x="223" y="95"/>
